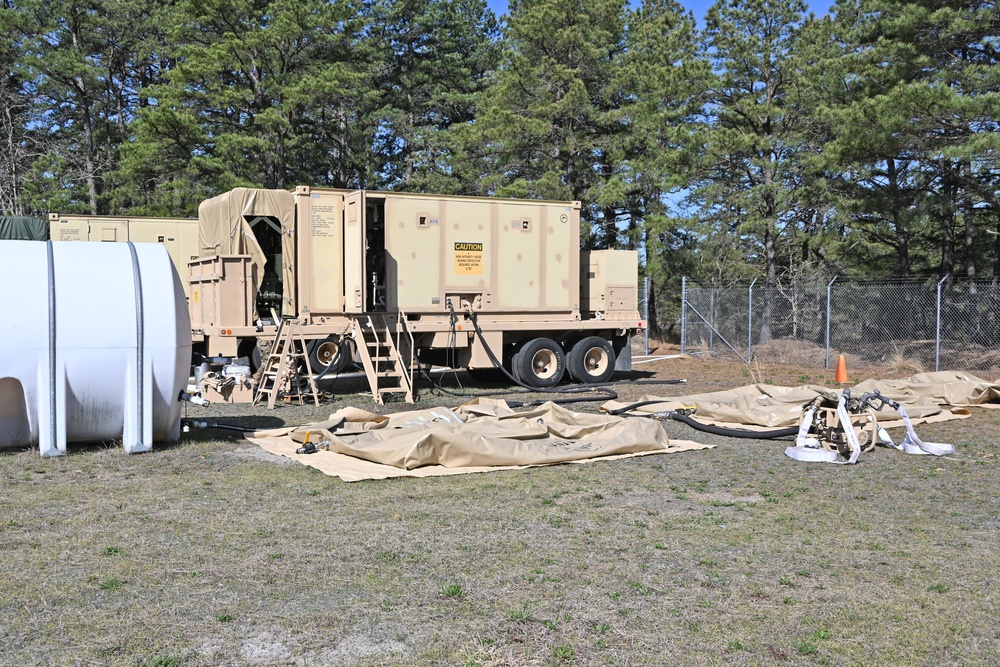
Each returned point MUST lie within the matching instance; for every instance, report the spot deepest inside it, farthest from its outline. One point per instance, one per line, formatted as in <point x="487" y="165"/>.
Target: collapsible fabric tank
<point x="96" y="345"/>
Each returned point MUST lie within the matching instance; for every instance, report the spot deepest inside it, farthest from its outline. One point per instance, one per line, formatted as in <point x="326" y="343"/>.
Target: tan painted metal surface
<point x="609" y="282"/>
<point x="223" y="288"/>
<point x="178" y="235"/>
<point x="319" y="221"/>
<point x="426" y="261"/>
<point x="496" y="255"/>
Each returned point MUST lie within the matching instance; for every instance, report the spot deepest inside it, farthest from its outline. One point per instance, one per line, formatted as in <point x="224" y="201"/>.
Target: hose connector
<point x="192" y="398"/>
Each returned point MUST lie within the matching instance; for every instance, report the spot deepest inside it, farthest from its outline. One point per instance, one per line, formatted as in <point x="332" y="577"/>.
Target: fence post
<point x="828" y="290"/>
<point x="684" y="300"/>
<point x="937" y="334"/>
<point x="711" y="315"/>
<point x="645" y="314"/>
<point x="750" y="320"/>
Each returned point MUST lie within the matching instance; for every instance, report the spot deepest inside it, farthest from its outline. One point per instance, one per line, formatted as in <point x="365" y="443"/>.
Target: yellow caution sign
<point x="468" y="259"/>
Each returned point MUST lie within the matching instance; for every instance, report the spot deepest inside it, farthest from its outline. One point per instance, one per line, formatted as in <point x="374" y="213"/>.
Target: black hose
<point x="605" y="392"/>
<point x="733" y="432"/>
<point x="538" y="390"/>
<point x="632" y="406"/>
<point x="652" y="382"/>
<point x="701" y="426"/>
<point x="427" y="376"/>
<point x="336" y="361"/>
<point x="224" y="427"/>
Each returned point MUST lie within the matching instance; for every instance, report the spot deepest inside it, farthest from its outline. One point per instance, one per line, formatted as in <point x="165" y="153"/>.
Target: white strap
<point x="912" y="444"/>
<point x="811" y="454"/>
<point x="808" y="450"/>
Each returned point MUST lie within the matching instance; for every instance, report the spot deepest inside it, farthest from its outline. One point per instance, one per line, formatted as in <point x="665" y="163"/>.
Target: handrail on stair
<point x="401" y="325"/>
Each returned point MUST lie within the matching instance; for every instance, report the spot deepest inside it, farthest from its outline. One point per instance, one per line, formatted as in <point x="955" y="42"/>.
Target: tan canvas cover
<point x="223" y="229"/>
<point x="954" y="388"/>
<point x="926" y="397"/>
<point x="477" y="437"/>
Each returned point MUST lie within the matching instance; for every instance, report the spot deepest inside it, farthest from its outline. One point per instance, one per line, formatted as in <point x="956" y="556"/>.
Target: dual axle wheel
<point x="542" y="363"/>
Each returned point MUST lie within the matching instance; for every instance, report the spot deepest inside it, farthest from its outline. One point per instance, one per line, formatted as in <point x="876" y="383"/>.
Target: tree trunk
<point x="968" y="215"/>
<point x="279" y="162"/>
<point x="996" y="252"/>
<point x="610" y="228"/>
<point x="899" y="227"/>
<point x="654" y="325"/>
<point x="88" y="134"/>
<point x="770" y="282"/>
<point x="408" y="145"/>
<point x="947" y="221"/>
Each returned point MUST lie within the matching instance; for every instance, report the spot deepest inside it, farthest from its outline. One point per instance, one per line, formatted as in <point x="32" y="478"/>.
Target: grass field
<point x="210" y="552"/>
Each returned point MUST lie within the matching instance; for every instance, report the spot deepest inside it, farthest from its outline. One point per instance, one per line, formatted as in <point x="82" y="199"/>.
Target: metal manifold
<point x="839" y="434"/>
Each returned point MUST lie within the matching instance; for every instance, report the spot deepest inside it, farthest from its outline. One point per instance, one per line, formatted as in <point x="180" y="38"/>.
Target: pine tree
<point x="262" y="93"/>
<point x="17" y="113"/>
<point x="67" y="55"/>
<point x="754" y="137"/>
<point x="543" y="125"/>
<point x="915" y="132"/>
<point x="436" y="55"/>
<point x="662" y="78"/>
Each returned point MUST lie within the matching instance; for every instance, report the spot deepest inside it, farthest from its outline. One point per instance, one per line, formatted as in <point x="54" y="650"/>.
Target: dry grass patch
<point x="199" y="554"/>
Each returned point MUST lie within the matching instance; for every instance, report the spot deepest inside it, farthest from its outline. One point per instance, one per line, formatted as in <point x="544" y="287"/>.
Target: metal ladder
<point x="388" y="363"/>
<point x="280" y="373"/>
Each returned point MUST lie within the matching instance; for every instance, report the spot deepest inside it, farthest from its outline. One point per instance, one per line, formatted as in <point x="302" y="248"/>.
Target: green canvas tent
<point x="15" y="227"/>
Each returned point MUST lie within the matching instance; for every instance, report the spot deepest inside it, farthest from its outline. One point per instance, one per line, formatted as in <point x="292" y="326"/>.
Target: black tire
<point x="591" y="360"/>
<point x="332" y="352"/>
<point x="539" y="363"/>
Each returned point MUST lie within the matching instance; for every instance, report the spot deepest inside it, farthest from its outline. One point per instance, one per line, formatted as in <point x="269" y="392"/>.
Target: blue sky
<point x="699" y="7"/>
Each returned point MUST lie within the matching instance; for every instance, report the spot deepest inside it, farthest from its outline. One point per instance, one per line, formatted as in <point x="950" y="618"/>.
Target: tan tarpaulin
<point x="477" y="437"/>
<point x="952" y="388"/>
<point x="224" y="229"/>
<point x="927" y="397"/>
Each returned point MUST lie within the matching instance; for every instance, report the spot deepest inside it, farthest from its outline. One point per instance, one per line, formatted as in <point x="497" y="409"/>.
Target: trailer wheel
<point x="330" y="352"/>
<point x="539" y="363"/>
<point x="591" y="360"/>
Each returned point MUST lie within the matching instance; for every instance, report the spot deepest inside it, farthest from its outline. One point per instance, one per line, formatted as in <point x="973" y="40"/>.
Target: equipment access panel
<point x="498" y="255"/>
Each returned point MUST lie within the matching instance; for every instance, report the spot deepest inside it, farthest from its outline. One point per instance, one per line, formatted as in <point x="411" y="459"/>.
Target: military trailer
<point x="394" y="280"/>
<point x="179" y="235"/>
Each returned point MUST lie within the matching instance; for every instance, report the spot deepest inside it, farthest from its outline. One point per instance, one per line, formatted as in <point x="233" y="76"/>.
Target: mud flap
<point x="623" y="352"/>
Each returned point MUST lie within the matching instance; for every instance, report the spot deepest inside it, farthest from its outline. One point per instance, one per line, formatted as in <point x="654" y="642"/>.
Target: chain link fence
<point x="948" y="325"/>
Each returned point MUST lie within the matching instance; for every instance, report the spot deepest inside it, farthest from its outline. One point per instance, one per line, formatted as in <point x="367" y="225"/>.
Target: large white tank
<point x="95" y="345"/>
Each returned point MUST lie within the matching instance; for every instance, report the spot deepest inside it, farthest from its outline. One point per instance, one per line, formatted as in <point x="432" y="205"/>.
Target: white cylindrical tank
<point x="95" y="345"/>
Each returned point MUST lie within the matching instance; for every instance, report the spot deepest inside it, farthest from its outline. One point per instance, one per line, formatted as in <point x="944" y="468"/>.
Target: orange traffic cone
<point x="841" y="377"/>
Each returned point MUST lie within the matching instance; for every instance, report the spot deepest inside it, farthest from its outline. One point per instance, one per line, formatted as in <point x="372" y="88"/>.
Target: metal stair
<point x="281" y="370"/>
<point x="388" y="363"/>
